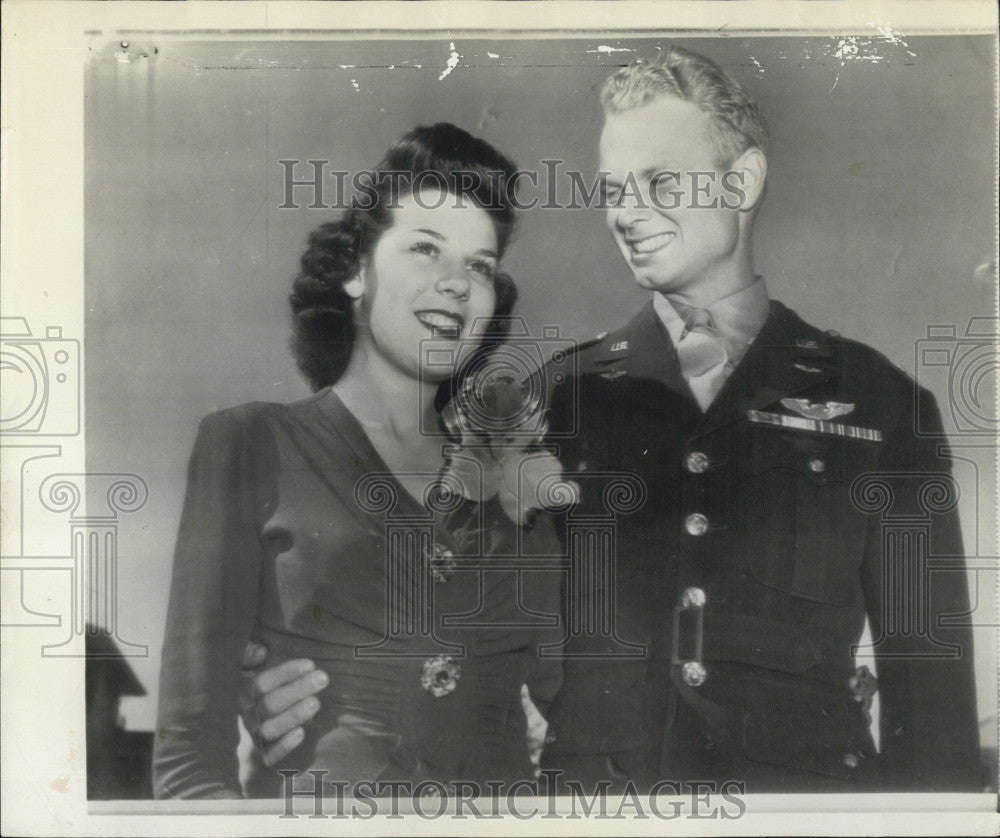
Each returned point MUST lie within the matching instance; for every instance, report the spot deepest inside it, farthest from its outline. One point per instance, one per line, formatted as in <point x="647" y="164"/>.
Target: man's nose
<point x="626" y="216"/>
<point x="630" y="209"/>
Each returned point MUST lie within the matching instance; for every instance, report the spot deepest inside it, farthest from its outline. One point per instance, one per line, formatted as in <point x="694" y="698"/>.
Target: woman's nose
<point x="454" y="283"/>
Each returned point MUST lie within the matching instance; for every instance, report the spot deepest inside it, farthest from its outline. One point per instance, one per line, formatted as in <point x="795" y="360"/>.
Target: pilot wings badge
<point x="823" y="411"/>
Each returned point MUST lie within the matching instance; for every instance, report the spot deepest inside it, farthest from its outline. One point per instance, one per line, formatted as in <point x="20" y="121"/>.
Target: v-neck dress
<point x="427" y="617"/>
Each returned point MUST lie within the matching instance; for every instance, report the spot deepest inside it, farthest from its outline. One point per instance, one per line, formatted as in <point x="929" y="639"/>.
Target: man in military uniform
<point x="773" y="458"/>
<point x="770" y="452"/>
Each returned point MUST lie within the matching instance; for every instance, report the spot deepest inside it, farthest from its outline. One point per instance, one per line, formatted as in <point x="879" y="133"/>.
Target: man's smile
<point x="649" y="244"/>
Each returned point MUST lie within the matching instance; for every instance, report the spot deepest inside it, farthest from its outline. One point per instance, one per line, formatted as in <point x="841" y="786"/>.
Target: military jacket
<point x="722" y="566"/>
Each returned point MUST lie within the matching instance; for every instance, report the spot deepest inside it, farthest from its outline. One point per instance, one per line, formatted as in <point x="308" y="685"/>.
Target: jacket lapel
<point x="642" y="353"/>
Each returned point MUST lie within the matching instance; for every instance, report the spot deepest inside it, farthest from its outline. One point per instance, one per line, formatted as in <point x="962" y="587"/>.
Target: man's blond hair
<point x="736" y="119"/>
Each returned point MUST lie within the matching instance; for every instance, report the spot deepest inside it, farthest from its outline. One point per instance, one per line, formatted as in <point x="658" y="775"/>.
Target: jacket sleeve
<point x="928" y="717"/>
<point x="213" y="602"/>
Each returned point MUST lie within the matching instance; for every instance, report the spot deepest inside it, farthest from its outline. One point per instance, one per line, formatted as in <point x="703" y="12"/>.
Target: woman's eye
<point x="426" y="248"/>
<point x="487" y="269"/>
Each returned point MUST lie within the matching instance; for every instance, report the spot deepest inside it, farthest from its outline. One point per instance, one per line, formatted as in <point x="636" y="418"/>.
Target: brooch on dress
<point x="440" y="675"/>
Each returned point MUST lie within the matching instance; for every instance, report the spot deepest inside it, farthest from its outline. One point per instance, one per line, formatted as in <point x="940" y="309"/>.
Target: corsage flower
<point x="440" y="561"/>
<point x="499" y="422"/>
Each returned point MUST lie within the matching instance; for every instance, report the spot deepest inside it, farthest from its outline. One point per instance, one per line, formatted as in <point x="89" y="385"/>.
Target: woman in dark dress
<point x="322" y="530"/>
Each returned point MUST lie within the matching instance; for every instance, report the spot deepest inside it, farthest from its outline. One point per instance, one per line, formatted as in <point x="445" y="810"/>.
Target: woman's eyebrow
<point x="483" y="251"/>
<point x="433" y="233"/>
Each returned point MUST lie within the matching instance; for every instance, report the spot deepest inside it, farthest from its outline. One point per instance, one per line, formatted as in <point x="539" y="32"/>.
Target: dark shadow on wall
<point x="118" y="760"/>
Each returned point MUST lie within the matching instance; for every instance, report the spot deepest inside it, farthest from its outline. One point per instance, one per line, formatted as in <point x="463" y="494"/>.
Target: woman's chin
<point x="433" y="373"/>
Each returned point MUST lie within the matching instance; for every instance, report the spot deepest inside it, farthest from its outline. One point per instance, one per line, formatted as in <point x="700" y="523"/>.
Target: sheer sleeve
<point x="213" y="602"/>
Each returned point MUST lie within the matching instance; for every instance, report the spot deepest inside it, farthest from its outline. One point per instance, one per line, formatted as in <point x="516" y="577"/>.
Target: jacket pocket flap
<point x="809" y="727"/>
<point x="817" y="458"/>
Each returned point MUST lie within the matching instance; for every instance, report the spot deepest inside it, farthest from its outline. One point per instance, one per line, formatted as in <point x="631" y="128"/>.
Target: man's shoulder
<point x="855" y="360"/>
<point x="607" y="345"/>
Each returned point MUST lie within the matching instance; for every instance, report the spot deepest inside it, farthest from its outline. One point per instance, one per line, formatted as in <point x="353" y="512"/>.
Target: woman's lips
<point x="441" y="323"/>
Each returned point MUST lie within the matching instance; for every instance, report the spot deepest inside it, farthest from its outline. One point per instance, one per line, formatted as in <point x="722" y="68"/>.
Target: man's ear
<point x="752" y="165"/>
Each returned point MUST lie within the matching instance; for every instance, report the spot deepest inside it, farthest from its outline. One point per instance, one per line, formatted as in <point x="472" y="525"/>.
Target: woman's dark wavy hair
<point x="321" y="310"/>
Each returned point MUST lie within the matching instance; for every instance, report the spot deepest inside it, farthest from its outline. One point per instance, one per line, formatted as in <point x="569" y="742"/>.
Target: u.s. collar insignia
<point x="613" y="374"/>
<point x="823" y="411"/>
<point x="619" y="346"/>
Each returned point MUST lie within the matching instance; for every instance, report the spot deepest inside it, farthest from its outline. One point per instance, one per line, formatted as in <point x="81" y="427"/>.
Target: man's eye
<point x="612" y="195"/>
<point x="427" y="248"/>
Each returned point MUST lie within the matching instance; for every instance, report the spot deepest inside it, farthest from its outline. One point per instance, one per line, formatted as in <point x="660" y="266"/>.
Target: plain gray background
<point x="878" y="222"/>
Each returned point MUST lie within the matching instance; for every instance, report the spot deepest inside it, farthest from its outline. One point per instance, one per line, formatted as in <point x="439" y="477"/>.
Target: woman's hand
<point x="276" y="702"/>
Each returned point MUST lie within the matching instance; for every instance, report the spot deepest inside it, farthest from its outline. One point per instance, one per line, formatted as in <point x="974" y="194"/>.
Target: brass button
<point x="816" y="465"/>
<point x="696" y="523"/>
<point x="693" y="674"/>
<point x="851" y="760"/>
<point x="696" y="462"/>
<point x="693" y="598"/>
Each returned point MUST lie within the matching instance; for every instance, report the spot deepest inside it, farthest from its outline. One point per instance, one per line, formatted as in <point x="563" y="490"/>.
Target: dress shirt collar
<point x="738" y="316"/>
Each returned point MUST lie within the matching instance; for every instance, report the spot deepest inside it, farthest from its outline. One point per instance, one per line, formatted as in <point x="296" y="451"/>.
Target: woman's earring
<point x="355" y="287"/>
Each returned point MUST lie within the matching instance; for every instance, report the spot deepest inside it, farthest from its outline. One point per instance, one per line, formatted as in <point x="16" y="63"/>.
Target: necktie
<point x="701" y="352"/>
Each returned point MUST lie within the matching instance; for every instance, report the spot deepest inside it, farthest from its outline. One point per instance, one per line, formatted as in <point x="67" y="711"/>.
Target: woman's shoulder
<point x="257" y="412"/>
<point x="253" y="425"/>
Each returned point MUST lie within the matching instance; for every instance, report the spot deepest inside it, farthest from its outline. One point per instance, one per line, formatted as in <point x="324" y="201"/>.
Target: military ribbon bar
<point x="815" y="425"/>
